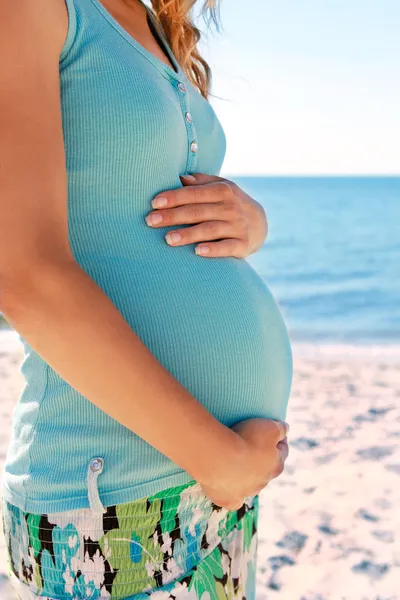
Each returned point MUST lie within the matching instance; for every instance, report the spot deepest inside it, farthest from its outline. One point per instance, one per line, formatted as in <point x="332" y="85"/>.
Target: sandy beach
<point x="330" y="525"/>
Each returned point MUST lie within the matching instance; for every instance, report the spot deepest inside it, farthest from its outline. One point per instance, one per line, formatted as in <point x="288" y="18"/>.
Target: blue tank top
<point x="132" y="125"/>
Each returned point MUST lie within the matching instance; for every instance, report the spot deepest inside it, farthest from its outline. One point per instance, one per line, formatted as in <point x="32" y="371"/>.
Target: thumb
<point x="199" y="178"/>
<point x="283" y="428"/>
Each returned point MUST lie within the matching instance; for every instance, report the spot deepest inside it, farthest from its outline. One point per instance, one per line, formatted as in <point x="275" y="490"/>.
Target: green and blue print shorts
<point x="176" y="544"/>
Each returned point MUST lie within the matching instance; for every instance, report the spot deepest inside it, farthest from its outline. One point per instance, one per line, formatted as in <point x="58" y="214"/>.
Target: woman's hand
<point x="265" y="449"/>
<point x="220" y="211"/>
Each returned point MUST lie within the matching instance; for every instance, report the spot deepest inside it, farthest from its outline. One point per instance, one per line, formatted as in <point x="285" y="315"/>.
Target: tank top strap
<point x="160" y="35"/>
<point x="72" y="27"/>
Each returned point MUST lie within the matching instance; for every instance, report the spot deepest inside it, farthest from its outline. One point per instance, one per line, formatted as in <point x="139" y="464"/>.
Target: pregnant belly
<point x="213" y="324"/>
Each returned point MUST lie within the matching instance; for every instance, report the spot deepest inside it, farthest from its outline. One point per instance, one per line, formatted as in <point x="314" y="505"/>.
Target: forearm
<point x="72" y="324"/>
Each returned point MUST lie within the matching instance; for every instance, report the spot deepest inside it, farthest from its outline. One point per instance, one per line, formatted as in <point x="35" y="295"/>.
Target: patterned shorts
<point x="175" y="544"/>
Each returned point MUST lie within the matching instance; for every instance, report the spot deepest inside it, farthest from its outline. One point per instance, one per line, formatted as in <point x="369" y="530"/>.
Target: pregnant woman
<point x="156" y="378"/>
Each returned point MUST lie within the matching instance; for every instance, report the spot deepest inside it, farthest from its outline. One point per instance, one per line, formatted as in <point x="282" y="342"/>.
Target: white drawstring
<point x="95" y="467"/>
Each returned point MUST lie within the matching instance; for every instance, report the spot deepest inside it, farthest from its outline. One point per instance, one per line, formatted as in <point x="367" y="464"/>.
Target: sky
<point x="307" y="87"/>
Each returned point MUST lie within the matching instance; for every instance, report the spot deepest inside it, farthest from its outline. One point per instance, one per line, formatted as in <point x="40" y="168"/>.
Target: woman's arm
<point x="74" y="326"/>
<point x="45" y="295"/>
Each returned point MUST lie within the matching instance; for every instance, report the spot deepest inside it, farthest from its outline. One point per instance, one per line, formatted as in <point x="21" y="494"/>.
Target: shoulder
<point x="38" y="24"/>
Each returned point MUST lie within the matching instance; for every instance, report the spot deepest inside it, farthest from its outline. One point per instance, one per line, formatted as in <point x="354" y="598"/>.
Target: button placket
<point x="191" y="162"/>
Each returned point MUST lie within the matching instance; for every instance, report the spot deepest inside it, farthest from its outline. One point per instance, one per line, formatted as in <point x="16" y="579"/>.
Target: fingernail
<point x="172" y="238"/>
<point x="202" y="249"/>
<point x="153" y="219"/>
<point x="188" y="177"/>
<point x="159" y="202"/>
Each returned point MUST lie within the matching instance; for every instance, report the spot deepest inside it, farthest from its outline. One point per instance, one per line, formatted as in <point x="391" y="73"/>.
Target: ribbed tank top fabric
<point x="212" y="322"/>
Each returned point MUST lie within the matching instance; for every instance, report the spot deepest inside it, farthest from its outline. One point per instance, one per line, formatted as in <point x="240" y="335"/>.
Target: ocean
<point x="332" y="255"/>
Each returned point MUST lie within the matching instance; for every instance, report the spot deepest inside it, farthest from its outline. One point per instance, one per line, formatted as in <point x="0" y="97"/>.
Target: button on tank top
<point x="132" y="124"/>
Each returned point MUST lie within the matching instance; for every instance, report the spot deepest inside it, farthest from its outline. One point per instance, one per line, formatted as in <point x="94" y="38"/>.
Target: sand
<point x="329" y="527"/>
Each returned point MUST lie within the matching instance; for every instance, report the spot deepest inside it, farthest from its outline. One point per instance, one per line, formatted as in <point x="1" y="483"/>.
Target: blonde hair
<point x="183" y="36"/>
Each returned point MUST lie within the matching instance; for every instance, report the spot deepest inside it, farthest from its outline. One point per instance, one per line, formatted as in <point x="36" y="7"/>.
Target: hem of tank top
<point x="41" y="400"/>
<point x="129" y="494"/>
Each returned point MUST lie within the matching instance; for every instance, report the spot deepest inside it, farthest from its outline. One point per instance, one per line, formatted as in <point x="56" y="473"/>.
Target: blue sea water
<point x="332" y="255"/>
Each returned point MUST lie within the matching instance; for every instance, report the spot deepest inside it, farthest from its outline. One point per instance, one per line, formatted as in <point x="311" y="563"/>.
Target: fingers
<point x="283" y="452"/>
<point x="283" y="449"/>
<point x="282" y="427"/>
<point x="229" y="247"/>
<point x="200" y="178"/>
<point x="211" y="222"/>
<point x="203" y="232"/>
<point x="217" y="191"/>
<point x="189" y="213"/>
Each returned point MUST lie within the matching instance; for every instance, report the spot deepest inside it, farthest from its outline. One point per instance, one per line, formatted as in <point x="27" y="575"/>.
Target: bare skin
<point x="107" y="364"/>
<point x="218" y="209"/>
<point x="269" y="449"/>
<point x="132" y="16"/>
